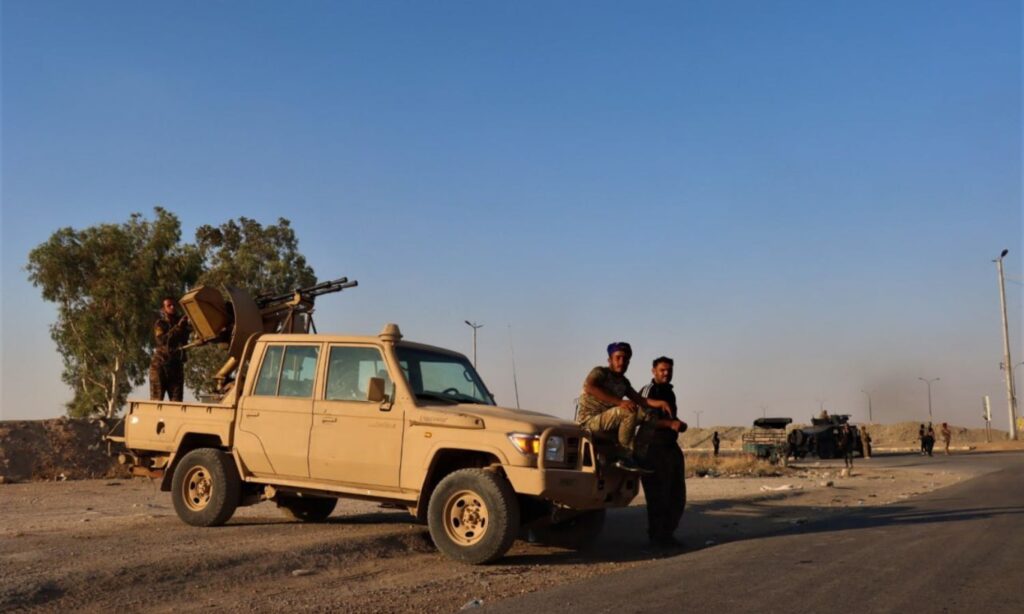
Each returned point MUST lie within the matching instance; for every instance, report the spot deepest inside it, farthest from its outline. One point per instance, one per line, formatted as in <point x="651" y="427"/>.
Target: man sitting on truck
<point x="610" y="405"/>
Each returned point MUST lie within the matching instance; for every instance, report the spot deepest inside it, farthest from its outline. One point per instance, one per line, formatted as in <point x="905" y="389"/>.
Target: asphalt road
<point x="959" y="549"/>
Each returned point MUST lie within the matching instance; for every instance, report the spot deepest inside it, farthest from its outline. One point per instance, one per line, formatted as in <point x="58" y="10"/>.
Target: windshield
<point x="434" y="376"/>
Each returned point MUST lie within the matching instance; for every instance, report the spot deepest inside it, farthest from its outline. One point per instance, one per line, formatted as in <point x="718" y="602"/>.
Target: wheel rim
<point x="197" y="488"/>
<point x="465" y="518"/>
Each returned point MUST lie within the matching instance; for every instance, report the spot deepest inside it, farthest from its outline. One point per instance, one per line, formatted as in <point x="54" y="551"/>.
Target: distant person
<point x="167" y="368"/>
<point x="657" y="447"/>
<point x="608" y="404"/>
<point x="865" y="440"/>
<point x="794" y="442"/>
<point x="715" y="442"/>
<point x="920" y="436"/>
<point x="844" y="443"/>
<point x="823" y="415"/>
<point x="947" y="435"/>
<point x="929" y="439"/>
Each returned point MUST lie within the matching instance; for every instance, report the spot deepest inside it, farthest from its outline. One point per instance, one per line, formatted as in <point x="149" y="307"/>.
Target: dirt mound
<point x="48" y="449"/>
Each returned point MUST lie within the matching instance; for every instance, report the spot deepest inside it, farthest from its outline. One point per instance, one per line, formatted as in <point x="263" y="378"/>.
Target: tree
<point x="107" y="282"/>
<point x="245" y="254"/>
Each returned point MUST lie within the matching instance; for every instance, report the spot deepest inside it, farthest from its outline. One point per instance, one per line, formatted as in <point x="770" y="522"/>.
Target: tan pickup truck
<point x="316" y="417"/>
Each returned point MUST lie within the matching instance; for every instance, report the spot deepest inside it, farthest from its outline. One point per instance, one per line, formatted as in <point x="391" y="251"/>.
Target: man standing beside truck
<point x="657" y="444"/>
<point x="167" y="368"/>
<point x="608" y="404"/>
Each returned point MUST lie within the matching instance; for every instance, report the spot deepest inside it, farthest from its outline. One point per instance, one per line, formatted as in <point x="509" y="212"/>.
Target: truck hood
<point x="494" y="418"/>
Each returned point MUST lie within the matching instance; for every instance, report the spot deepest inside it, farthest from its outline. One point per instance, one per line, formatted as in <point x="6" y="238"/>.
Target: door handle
<point x="252" y="414"/>
<point x="330" y="420"/>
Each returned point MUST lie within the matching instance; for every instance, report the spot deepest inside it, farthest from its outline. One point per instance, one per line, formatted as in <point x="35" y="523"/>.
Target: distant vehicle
<point x="820" y="439"/>
<point x="767" y="440"/>
<point x="304" y="419"/>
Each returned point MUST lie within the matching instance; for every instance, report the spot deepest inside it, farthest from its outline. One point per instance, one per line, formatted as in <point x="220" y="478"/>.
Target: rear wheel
<point x="206" y="488"/>
<point x="306" y="509"/>
<point x="473" y="516"/>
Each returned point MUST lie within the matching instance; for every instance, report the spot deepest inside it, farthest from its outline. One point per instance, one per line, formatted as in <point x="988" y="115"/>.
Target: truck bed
<point x="158" y="426"/>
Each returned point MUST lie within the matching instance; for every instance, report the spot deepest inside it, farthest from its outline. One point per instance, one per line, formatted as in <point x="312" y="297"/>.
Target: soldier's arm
<point x="634" y="396"/>
<point x="160" y="334"/>
<point x="592" y="386"/>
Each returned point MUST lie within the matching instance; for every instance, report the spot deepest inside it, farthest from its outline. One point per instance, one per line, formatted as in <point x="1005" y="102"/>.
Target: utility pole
<point x="870" y="418"/>
<point x="764" y="410"/>
<point x="475" y="327"/>
<point x="986" y="413"/>
<point x="512" y="350"/>
<point x="929" y="382"/>
<point x="1011" y="393"/>
<point x="698" y="412"/>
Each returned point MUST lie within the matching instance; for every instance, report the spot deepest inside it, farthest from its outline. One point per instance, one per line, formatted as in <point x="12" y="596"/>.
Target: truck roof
<point x="339" y="338"/>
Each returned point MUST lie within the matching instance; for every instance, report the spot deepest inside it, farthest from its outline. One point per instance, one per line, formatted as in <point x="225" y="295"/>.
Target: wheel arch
<point x="189" y="442"/>
<point x="448" y="460"/>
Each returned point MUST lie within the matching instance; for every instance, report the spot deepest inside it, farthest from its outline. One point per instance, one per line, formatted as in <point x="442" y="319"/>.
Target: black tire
<point x="578" y="533"/>
<point x="206" y="488"/>
<point x="473" y="516"/>
<point x="306" y="509"/>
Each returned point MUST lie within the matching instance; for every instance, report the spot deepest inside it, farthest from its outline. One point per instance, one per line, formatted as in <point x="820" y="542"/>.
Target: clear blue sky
<point x="796" y="200"/>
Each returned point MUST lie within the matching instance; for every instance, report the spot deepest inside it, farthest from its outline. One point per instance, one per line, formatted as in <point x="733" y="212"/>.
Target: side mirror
<point x="375" y="392"/>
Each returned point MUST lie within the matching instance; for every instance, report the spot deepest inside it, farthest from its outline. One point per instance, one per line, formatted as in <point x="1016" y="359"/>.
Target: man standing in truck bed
<point x="658" y="449"/>
<point x="608" y="403"/>
<point x="167" y="369"/>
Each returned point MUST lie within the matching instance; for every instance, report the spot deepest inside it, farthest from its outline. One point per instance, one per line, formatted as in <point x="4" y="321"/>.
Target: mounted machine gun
<point x="236" y="321"/>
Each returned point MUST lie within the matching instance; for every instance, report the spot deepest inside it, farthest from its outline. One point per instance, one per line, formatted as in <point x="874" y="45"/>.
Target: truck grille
<point x="572" y="451"/>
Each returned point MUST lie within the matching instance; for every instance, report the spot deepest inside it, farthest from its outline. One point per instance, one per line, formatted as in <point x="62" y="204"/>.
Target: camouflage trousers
<point x="166" y="378"/>
<point x="615" y="420"/>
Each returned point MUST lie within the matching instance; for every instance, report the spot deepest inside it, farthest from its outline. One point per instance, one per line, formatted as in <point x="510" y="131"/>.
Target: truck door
<point x="275" y="419"/>
<point x="354" y="441"/>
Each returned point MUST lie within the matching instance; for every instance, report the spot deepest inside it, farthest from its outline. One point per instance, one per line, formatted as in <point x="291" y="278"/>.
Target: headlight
<point x="526" y="443"/>
<point x="554" y="449"/>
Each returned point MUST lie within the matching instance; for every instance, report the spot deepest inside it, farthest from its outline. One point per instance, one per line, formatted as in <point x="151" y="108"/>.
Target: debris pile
<point x="59" y="449"/>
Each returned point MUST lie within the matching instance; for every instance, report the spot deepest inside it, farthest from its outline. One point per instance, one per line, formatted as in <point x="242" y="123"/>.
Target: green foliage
<point x="107" y="282"/>
<point x="245" y="254"/>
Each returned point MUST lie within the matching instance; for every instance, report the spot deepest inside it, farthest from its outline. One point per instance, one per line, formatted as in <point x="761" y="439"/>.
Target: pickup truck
<point x="315" y="417"/>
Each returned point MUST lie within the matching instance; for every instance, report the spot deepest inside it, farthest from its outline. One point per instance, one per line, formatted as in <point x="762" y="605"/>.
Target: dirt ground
<point x="116" y="544"/>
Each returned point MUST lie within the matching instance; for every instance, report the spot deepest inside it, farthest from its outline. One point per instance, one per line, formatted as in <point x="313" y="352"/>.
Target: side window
<point x="270" y="371"/>
<point x="298" y="372"/>
<point x="349" y="371"/>
<point x="287" y="372"/>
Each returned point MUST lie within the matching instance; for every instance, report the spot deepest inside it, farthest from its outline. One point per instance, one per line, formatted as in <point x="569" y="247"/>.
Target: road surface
<point x="958" y="549"/>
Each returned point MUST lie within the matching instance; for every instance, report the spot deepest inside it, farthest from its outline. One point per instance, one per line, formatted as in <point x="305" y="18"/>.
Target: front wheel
<point x="206" y="488"/>
<point x="473" y="516"/>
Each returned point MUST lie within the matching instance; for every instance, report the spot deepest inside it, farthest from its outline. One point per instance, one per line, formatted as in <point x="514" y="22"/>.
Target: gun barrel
<point x="325" y="287"/>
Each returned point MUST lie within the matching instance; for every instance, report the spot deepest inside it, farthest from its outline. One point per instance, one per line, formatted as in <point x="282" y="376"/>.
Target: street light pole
<point x="929" y="382"/>
<point x="475" y="327"/>
<point x="870" y="418"/>
<point x="1011" y="393"/>
<point x="698" y="412"/>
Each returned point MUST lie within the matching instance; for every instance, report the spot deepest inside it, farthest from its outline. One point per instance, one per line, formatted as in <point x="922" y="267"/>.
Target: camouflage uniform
<point x="167" y="369"/>
<point x="597" y="416"/>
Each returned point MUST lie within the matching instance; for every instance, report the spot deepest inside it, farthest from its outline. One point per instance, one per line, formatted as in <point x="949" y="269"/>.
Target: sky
<point x="797" y="201"/>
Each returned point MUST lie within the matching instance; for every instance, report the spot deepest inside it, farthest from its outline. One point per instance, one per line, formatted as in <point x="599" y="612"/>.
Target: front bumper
<point x="583" y="487"/>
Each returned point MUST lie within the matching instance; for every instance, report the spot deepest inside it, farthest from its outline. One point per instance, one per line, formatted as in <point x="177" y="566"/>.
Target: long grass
<point x="700" y="464"/>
